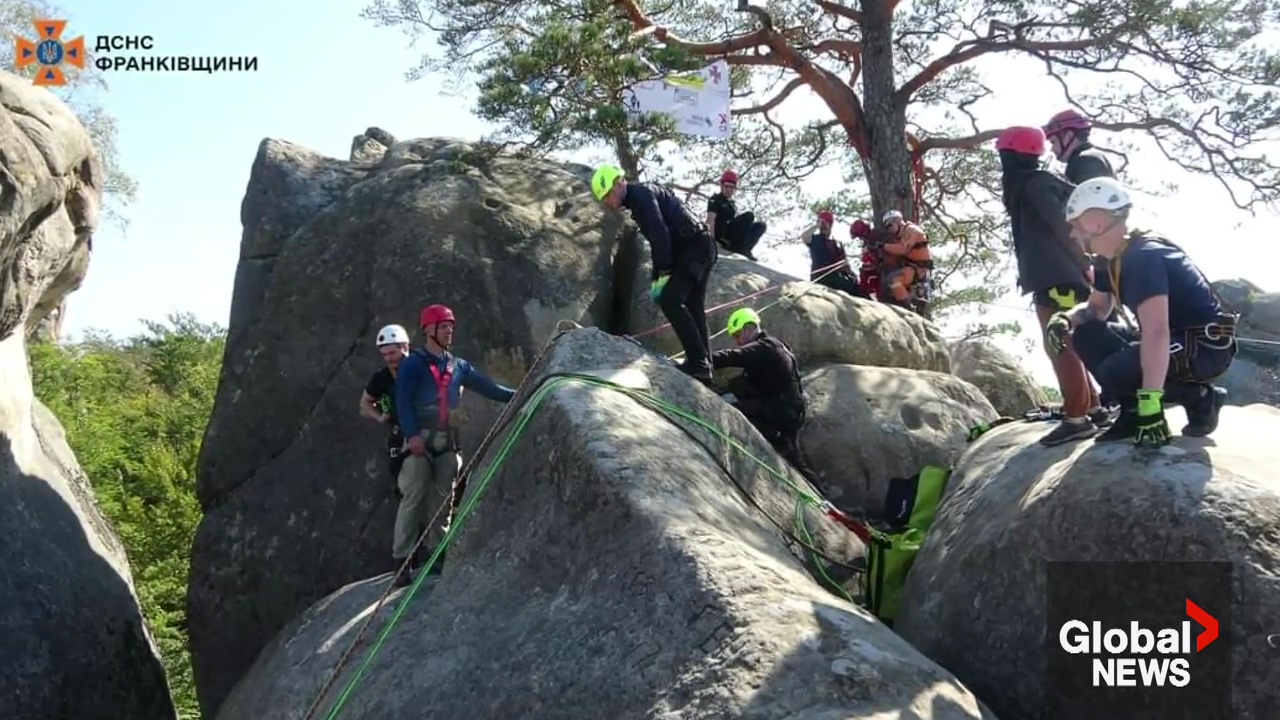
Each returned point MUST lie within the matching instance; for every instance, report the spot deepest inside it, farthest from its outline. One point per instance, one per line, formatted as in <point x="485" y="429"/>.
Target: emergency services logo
<point x="49" y="52"/>
<point x="1138" y="656"/>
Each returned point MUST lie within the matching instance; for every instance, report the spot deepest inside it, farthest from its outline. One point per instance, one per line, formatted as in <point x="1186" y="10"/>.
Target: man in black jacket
<point x="1068" y="135"/>
<point x="768" y="392"/>
<point x="1052" y="267"/>
<point x="737" y="232"/>
<point x="683" y="255"/>
<point x="824" y="252"/>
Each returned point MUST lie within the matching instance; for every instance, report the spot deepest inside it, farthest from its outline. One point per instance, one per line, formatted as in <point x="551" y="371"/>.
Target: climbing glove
<point x="1056" y="332"/>
<point x="1153" y="429"/>
<point x="655" y="287"/>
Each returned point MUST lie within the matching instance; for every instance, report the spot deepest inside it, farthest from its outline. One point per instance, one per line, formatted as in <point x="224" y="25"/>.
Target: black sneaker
<point x="1068" y="430"/>
<point x="1125" y="427"/>
<point x="1102" y="418"/>
<point x="1203" y="413"/>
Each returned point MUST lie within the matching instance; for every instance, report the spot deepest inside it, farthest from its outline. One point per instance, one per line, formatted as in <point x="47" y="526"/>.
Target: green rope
<point x="524" y="415"/>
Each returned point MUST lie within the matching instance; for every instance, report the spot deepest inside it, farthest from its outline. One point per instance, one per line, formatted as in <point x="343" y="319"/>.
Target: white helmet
<point x="392" y="335"/>
<point x="1102" y="193"/>
<point x="891" y="215"/>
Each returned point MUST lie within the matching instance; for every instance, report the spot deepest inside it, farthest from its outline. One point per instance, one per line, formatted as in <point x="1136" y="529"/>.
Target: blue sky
<point x="325" y="74"/>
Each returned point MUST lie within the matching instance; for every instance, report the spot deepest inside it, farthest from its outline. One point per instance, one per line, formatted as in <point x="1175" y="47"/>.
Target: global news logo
<point x="1138" y="656"/>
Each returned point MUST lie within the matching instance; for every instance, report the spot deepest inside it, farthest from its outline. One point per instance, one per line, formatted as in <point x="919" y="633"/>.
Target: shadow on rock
<point x="74" y="644"/>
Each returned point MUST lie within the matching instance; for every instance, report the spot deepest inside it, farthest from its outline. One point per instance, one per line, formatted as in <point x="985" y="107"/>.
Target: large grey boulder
<point x="74" y="642"/>
<point x="820" y="324"/>
<point x="1000" y="376"/>
<point x="867" y="425"/>
<point x="620" y="563"/>
<point x="976" y="598"/>
<point x="293" y="482"/>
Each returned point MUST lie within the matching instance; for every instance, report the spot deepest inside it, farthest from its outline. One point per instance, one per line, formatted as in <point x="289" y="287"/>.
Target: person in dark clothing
<point x="1068" y="137"/>
<point x="825" y="251"/>
<point x="736" y="232"/>
<point x="1186" y="335"/>
<point x="1068" y="134"/>
<point x="377" y="402"/>
<point x="683" y="256"/>
<point x="428" y="390"/>
<point x="1052" y="268"/>
<point x="768" y="392"/>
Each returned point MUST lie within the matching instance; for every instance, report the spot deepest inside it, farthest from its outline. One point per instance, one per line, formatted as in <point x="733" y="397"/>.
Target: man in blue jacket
<point x="428" y="389"/>
<point x="683" y="254"/>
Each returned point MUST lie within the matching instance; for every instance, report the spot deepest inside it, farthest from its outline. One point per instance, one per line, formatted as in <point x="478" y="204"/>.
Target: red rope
<point x="822" y="273"/>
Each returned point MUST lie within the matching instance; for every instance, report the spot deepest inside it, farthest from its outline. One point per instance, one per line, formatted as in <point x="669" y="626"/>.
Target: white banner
<point x="698" y="102"/>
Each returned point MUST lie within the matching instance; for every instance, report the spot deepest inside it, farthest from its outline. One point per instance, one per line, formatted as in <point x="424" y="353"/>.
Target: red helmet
<point x="433" y="314"/>
<point x="1067" y="120"/>
<point x="729" y="177"/>
<point x="1022" y="140"/>
<point x="826" y="216"/>
<point x="860" y="228"/>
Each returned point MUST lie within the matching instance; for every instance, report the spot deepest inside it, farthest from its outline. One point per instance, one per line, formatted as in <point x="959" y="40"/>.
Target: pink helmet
<point x="1022" y="140"/>
<point x="1070" y="119"/>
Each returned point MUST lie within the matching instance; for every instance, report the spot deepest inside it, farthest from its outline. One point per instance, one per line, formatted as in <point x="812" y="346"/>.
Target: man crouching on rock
<point x="428" y="390"/>
<point x="1186" y="333"/>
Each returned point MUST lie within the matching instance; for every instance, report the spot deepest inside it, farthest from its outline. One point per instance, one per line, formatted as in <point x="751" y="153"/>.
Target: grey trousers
<point x="426" y="483"/>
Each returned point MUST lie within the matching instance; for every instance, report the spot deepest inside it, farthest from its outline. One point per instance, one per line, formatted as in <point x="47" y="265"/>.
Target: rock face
<point x="1000" y="376"/>
<point x="976" y="598"/>
<point x="820" y="324"/>
<point x="296" y="494"/>
<point x="620" y="574"/>
<point x="1255" y="374"/>
<point x="75" y="644"/>
<point x="869" y="424"/>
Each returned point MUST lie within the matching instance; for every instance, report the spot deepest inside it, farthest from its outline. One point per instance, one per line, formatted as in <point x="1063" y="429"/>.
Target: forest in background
<point x="135" y="411"/>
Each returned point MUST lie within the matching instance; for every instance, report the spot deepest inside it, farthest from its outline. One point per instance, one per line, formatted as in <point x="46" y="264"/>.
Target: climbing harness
<point x="521" y="419"/>
<point x="1218" y="334"/>
<point x="443" y="378"/>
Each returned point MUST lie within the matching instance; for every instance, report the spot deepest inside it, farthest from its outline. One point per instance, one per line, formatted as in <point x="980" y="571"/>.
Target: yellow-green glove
<point x="1056" y="332"/>
<point x="655" y="287"/>
<point x="1153" y="429"/>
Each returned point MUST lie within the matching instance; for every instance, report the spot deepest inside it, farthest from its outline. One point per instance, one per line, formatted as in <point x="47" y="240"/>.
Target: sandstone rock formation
<point x="75" y="644"/>
<point x="638" y="568"/>
<point x="867" y="425"/>
<point x="976" y="598"/>
<point x="1000" y="376"/>
<point x="295" y="491"/>
<point x="820" y="324"/>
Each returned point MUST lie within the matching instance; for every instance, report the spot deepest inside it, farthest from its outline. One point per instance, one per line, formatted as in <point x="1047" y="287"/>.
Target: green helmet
<point x="741" y="318"/>
<point x="602" y="182"/>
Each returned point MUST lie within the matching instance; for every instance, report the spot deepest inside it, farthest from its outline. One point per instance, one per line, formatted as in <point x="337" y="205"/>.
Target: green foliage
<point x="134" y="413"/>
<point x="82" y="93"/>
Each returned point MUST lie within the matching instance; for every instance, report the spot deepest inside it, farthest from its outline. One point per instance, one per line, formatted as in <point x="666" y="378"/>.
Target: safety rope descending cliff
<point x="527" y="410"/>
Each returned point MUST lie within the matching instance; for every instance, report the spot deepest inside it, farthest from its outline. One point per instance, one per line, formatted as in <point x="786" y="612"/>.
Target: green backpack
<point x="910" y="508"/>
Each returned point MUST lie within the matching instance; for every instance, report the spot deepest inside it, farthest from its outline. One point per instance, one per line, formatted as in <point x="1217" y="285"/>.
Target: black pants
<point x="683" y="302"/>
<point x="844" y="282"/>
<point x="743" y="233"/>
<point x="1110" y="352"/>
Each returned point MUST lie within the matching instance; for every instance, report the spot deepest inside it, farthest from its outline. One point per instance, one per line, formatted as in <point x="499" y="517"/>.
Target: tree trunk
<point x="888" y="161"/>
<point x="628" y="158"/>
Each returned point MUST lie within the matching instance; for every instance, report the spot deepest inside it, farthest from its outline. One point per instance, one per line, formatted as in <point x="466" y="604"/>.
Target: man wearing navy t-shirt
<point x="1186" y="334"/>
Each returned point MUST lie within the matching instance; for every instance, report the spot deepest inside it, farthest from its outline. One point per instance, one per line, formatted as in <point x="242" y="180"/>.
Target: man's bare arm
<point x="1097" y="308"/>
<point x="367" y="408"/>
<point x="1153" y="323"/>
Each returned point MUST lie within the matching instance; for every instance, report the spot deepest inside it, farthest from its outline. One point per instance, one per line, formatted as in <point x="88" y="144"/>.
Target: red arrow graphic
<point x="1207" y="621"/>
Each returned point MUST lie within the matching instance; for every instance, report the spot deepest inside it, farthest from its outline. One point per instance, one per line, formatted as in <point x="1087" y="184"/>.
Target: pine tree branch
<point x="774" y="102"/>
